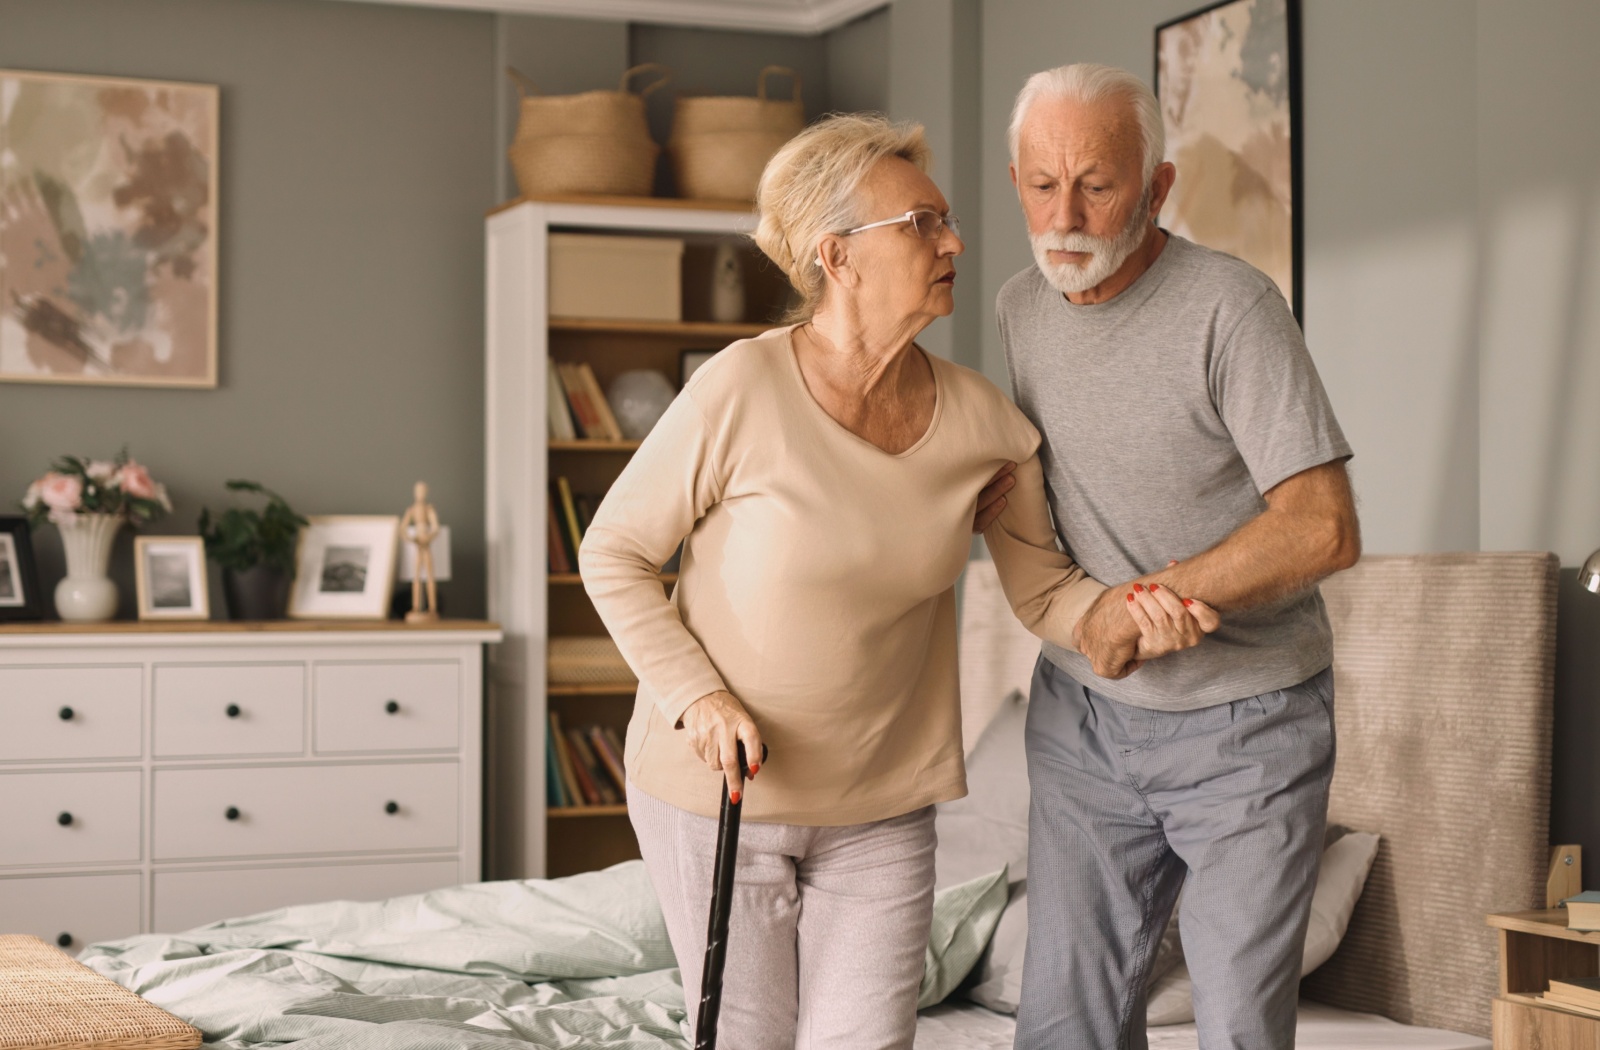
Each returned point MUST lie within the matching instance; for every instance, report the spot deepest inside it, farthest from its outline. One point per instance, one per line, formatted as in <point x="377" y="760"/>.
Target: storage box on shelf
<point x="156" y="777"/>
<point x="530" y="837"/>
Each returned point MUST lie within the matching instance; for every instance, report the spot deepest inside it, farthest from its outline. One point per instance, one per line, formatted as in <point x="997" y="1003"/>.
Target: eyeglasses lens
<point x="930" y="224"/>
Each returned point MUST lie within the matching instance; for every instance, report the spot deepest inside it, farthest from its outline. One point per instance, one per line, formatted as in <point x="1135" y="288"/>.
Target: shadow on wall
<point x="1540" y="440"/>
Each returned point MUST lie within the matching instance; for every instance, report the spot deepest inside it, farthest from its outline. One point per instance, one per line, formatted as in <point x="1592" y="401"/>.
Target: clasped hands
<point x="1128" y="625"/>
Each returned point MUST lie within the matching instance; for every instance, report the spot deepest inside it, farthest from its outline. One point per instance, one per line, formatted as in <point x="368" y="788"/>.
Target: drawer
<point x="305" y="809"/>
<point x="69" y="818"/>
<point x="71" y="911"/>
<point x="233" y="709"/>
<point x="186" y="899"/>
<point x="387" y="707"/>
<point x="54" y="713"/>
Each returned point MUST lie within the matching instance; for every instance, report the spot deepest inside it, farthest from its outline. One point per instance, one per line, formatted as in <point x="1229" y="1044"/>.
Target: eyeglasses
<point x="928" y="224"/>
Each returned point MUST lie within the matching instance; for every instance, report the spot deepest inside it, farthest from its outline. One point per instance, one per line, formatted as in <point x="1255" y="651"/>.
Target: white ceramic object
<point x="87" y="595"/>
<point x="638" y="399"/>
<point x="727" y="284"/>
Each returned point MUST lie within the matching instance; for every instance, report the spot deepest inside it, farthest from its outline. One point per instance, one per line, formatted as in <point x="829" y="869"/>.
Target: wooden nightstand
<point x="1534" y="947"/>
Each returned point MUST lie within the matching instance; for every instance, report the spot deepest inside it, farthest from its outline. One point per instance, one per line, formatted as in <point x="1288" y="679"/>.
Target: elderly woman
<point x="823" y="480"/>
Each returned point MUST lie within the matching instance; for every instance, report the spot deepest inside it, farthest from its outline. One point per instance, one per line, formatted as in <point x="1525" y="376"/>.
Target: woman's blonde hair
<point x="809" y="188"/>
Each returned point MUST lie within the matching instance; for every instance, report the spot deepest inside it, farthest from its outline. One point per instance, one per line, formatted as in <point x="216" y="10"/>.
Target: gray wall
<point x="357" y="161"/>
<point x="1452" y="184"/>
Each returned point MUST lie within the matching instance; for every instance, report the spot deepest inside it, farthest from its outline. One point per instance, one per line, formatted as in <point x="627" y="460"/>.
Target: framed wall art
<point x="1228" y="79"/>
<point x="344" y="568"/>
<point x="108" y="230"/>
<point x="20" y="598"/>
<point x="169" y="575"/>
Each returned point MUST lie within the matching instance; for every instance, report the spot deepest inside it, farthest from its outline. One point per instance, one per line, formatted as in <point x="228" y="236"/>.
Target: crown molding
<point x="773" y="16"/>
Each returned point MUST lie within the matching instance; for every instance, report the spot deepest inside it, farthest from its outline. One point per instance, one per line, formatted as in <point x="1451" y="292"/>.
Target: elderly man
<point x="1188" y="444"/>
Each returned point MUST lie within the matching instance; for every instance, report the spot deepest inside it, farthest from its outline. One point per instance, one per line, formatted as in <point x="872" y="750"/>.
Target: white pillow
<point x="988" y="829"/>
<point x="1345" y="865"/>
<point x="1343" y="874"/>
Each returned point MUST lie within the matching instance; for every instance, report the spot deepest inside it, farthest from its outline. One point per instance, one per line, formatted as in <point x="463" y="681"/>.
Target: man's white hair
<point x="1088" y="82"/>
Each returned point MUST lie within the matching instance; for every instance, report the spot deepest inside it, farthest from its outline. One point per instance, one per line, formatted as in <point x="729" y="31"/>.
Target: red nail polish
<point x="1138" y="586"/>
<point x="1188" y="601"/>
<point x="734" y="798"/>
<point x="1154" y="587"/>
<point x="1130" y="597"/>
<point x="755" y="769"/>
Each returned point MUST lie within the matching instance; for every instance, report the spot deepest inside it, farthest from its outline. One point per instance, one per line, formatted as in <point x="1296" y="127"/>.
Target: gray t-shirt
<point x="1166" y="413"/>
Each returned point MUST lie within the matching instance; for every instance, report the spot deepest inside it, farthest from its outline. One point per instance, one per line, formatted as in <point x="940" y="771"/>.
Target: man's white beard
<point x="1106" y="254"/>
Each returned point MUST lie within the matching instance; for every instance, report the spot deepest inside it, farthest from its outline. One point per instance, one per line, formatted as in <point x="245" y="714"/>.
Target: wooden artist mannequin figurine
<point x="421" y="526"/>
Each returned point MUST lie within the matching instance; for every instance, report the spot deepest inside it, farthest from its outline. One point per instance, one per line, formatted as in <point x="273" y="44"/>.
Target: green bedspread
<point x="576" y="962"/>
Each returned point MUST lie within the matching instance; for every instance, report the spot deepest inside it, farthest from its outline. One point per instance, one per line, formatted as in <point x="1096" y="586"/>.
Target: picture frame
<point x="1229" y="87"/>
<point x="20" y="597"/>
<point x="170" y="578"/>
<point x="112" y="184"/>
<point x="345" y="567"/>
<point x="689" y="361"/>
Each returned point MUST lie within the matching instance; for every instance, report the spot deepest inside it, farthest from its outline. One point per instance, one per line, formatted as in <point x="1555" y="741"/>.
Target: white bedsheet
<point x="972" y="1027"/>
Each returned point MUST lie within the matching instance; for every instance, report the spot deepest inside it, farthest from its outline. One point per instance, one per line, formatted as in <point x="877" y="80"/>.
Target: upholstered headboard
<point x="1444" y="670"/>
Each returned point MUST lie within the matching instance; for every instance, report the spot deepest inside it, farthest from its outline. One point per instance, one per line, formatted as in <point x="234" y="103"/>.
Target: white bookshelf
<point x="518" y="456"/>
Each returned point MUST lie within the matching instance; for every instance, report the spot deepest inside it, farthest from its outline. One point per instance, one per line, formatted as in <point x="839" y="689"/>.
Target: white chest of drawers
<point x="156" y="778"/>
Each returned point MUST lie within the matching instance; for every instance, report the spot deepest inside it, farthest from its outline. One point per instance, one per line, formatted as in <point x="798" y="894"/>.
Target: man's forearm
<point x="1307" y="532"/>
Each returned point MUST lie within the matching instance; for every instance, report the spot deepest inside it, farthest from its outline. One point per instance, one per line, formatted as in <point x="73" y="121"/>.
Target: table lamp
<point x="1589" y="575"/>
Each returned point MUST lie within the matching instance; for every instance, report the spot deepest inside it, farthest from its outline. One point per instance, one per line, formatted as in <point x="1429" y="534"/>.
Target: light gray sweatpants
<point x="1128" y="804"/>
<point x="828" y="930"/>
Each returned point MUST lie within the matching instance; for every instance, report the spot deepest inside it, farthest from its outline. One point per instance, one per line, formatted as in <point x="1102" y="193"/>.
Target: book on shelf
<point x="597" y="784"/>
<point x="585" y="510"/>
<point x="553" y="788"/>
<point x="587" y="422"/>
<point x="1582" y="992"/>
<point x="557" y="410"/>
<point x="569" y="514"/>
<point x="609" y="750"/>
<point x="1583" y="911"/>
<point x="560" y="561"/>
<point x="569" y="778"/>
<point x="608" y="419"/>
<point x="590" y="412"/>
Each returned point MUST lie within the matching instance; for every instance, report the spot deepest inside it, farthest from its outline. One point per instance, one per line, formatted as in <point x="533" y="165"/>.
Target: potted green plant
<point x="256" y="550"/>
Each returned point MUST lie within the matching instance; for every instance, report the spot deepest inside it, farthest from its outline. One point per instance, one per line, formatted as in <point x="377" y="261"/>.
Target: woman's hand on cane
<point x="717" y="724"/>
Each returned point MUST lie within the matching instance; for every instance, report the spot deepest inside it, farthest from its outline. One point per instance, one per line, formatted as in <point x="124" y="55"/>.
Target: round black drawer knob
<point x="393" y="707"/>
<point x="391" y="808"/>
<point x="66" y="714"/>
<point x="64" y="940"/>
<point x="65" y="819"/>
<point x="232" y="813"/>
<point x="233" y="711"/>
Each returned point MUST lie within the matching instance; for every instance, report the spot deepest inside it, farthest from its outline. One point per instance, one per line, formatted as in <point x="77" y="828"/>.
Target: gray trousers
<point x="829" y="928"/>
<point x="1129" y="805"/>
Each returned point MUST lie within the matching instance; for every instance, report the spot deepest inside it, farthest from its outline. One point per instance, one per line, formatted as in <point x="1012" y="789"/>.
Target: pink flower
<point x="135" y="481"/>
<point x="60" y="492"/>
<point x="101" y="471"/>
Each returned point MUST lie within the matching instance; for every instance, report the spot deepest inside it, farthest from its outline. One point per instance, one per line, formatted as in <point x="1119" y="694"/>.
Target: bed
<point x="1445" y="672"/>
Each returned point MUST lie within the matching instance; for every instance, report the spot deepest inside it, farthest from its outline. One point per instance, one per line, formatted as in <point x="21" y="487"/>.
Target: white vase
<point x="87" y="595"/>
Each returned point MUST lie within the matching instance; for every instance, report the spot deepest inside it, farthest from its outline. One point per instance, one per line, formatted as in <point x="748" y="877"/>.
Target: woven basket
<point x="596" y="142"/>
<point x="587" y="661"/>
<point x="48" y="1001"/>
<point x="720" y="146"/>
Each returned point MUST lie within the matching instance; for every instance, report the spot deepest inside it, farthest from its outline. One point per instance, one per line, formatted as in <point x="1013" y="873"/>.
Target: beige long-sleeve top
<point x="816" y="584"/>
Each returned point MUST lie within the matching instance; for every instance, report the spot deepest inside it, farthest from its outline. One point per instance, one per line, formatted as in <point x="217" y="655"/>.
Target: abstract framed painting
<point x="108" y="230"/>
<point x="1228" y="80"/>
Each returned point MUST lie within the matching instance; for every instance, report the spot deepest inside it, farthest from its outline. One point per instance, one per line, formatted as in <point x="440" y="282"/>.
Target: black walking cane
<point x="705" y="1028"/>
